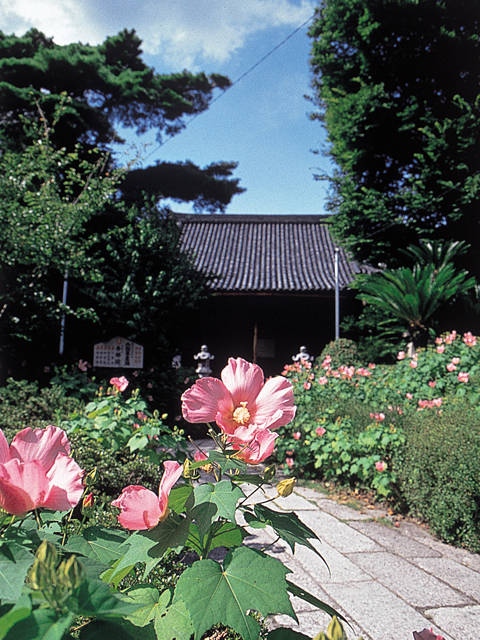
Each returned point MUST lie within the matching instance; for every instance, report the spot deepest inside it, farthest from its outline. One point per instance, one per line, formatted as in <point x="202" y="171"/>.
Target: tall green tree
<point x="147" y="287"/>
<point x="48" y="196"/>
<point x="108" y="86"/>
<point x="397" y="84"/>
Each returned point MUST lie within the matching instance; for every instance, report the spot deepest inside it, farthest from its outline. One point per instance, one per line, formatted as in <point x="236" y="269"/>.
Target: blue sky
<point x="262" y="122"/>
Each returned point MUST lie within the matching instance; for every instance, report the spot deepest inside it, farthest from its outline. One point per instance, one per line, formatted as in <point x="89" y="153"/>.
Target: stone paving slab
<point x="461" y="623"/>
<point x="394" y="540"/>
<point x="455" y="574"/>
<point x="379" y="612"/>
<point x="337" y="533"/>
<point x="387" y="582"/>
<point x="418" y="588"/>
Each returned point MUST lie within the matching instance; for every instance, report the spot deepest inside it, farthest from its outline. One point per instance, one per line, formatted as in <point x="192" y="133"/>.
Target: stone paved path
<point x="387" y="581"/>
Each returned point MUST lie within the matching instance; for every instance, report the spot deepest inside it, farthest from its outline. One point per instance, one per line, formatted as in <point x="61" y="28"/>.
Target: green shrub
<point x="24" y="404"/>
<point x="341" y="351"/>
<point x="118" y="421"/>
<point x="439" y="472"/>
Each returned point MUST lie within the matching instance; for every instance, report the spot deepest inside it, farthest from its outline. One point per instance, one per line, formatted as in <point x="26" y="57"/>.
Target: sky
<point x="262" y="122"/>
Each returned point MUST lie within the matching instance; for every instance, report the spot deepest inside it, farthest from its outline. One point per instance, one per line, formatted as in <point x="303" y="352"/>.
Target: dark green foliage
<point x="25" y="404"/>
<point x="114" y="469"/>
<point x="147" y="289"/>
<point x="107" y="84"/>
<point x="104" y="87"/>
<point x="397" y="85"/>
<point x="414" y="296"/>
<point x="342" y="351"/>
<point x="210" y="188"/>
<point x="439" y="472"/>
<point x="378" y="338"/>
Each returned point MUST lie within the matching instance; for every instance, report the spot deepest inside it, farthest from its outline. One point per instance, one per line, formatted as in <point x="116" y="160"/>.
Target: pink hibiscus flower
<point x="240" y="399"/>
<point x="427" y="634"/>
<point x="253" y="445"/>
<point x="36" y="471"/>
<point x="120" y="384"/>
<point x="141" y="508"/>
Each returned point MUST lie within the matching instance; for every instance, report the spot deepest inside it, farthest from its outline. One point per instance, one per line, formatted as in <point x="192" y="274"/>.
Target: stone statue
<point x="204" y="358"/>
<point x="303" y="355"/>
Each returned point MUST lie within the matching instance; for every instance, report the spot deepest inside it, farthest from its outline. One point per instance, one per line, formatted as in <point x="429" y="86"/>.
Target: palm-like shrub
<point x="413" y="296"/>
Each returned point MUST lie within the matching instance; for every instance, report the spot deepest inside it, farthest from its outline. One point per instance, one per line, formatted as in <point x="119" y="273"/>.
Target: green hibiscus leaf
<point x="150" y="546"/>
<point x="229" y="535"/>
<point x="224" y="495"/>
<point x="95" y="598"/>
<point x="20" y="611"/>
<point x="148" y="600"/>
<point x="42" y="624"/>
<point x="289" y="527"/>
<point x="174" y="623"/>
<point x="118" y="629"/>
<point x="247" y="581"/>
<point x="227" y="462"/>
<point x="170" y="622"/>
<point x="219" y="534"/>
<point x="203" y="515"/>
<point x="311" y="599"/>
<point x="15" y="561"/>
<point x="178" y="498"/>
<point x="98" y="543"/>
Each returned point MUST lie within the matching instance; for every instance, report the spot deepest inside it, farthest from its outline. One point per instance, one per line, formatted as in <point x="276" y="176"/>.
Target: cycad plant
<point x="414" y="295"/>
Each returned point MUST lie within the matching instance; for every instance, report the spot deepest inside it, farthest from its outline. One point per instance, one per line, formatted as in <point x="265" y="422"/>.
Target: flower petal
<point x="42" y="445"/>
<point x="65" y="484"/>
<point x="201" y="402"/>
<point x="243" y="379"/>
<point x="4" y="448"/>
<point x="139" y="508"/>
<point x="258" y="449"/>
<point x="172" y="473"/>
<point x="23" y="486"/>
<point x="275" y="405"/>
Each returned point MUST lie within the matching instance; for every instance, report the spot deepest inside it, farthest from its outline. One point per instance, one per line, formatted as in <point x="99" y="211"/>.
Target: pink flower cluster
<point x="469" y="339"/>
<point x="36" y="471"/>
<point x="119" y="384"/>
<point x="430" y="404"/>
<point x="378" y="417"/>
<point x="246" y="409"/>
<point x="343" y="372"/>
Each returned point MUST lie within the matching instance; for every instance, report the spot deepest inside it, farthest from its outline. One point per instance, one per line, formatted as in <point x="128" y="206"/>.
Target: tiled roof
<point x="265" y="254"/>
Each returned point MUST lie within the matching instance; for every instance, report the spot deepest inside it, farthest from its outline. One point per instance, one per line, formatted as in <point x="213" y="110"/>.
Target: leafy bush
<point x="353" y="422"/>
<point x="119" y="423"/>
<point x="439" y="472"/>
<point x="23" y="403"/>
<point x="341" y="352"/>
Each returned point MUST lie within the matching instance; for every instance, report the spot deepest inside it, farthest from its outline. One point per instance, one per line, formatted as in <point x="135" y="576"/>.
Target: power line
<point x="234" y="83"/>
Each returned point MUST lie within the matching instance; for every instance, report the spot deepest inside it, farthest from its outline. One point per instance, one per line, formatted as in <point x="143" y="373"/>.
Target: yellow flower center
<point x="241" y="415"/>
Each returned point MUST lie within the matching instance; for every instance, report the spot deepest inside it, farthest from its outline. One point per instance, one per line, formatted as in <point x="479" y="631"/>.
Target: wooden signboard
<point x="118" y="353"/>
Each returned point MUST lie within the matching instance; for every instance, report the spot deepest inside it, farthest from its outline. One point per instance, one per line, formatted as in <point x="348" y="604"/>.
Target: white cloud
<point x="64" y="20"/>
<point x="185" y="33"/>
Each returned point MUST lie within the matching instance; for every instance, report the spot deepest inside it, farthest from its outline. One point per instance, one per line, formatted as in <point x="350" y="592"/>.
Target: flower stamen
<point x="241" y="415"/>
